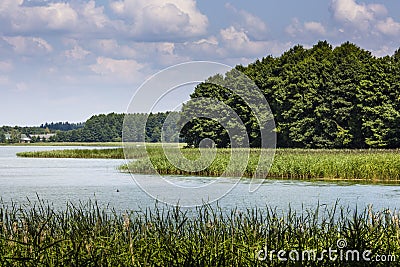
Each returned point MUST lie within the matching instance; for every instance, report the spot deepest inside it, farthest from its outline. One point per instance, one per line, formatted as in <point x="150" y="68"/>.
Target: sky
<point x="67" y="60"/>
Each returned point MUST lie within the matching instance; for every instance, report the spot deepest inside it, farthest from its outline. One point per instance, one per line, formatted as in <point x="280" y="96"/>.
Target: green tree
<point x="320" y="97"/>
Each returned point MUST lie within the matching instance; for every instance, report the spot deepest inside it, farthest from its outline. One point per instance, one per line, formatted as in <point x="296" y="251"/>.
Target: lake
<point x="59" y="181"/>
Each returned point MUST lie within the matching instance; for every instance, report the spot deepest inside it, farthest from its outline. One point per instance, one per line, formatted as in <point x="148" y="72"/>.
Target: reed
<point x="103" y="144"/>
<point x="109" y="153"/>
<point x="306" y="164"/>
<point x="87" y="234"/>
<point x="323" y="164"/>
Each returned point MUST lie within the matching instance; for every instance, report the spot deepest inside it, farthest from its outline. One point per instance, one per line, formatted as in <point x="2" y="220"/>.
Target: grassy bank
<point x="88" y="235"/>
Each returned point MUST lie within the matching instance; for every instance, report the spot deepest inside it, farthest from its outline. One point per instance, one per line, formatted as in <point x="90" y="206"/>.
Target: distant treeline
<point x="46" y="128"/>
<point x="320" y="98"/>
<point x="102" y="128"/>
<point x="108" y="128"/>
<point x="62" y="126"/>
<point x="16" y="131"/>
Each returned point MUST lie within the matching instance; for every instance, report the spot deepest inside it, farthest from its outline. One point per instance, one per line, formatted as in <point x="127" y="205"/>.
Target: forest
<point x="322" y="97"/>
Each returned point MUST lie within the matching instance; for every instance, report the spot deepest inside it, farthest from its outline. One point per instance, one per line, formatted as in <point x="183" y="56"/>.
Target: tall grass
<point x="90" y="235"/>
<point x="65" y="144"/>
<point x="323" y="164"/>
<point x="362" y="165"/>
<point x="109" y="153"/>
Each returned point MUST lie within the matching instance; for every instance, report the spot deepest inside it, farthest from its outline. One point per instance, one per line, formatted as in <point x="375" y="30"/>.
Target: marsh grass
<point x="99" y="144"/>
<point x="109" y="153"/>
<point x="88" y="234"/>
<point x="350" y="165"/>
<point x="308" y="164"/>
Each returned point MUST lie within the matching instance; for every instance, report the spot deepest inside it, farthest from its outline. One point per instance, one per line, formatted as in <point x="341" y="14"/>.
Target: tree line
<point x="62" y="126"/>
<point x="139" y="127"/>
<point x="322" y="97"/>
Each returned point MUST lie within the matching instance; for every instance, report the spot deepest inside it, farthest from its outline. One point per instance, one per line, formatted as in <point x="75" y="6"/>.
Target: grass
<point x="115" y="144"/>
<point x="354" y="165"/>
<point x="307" y="164"/>
<point x="90" y="235"/>
<point x="110" y="153"/>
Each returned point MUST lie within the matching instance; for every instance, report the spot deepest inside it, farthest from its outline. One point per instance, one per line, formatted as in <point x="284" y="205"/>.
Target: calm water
<point x="61" y="180"/>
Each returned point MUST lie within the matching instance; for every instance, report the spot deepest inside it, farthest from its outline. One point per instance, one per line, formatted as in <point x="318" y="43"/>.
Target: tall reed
<point x="88" y="234"/>
<point x="326" y="164"/>
<point x="361" y="165"/>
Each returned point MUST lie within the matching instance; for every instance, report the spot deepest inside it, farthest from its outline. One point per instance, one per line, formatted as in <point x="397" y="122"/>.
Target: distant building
<point x="42" y="137"/>
<point x="7" y="136"/>
<point x="24" y="139"/>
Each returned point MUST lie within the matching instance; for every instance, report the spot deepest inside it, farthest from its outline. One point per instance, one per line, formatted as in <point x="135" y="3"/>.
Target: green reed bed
<point x="362" y="165"/>
<point x="103" y="144"/>
<point x="323" y="164"/>
<point x="109" y="153"/>
<point x="90" y="235"/>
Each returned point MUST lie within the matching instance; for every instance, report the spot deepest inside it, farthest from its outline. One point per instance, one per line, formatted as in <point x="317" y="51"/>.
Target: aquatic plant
<point x="88" y="234"/>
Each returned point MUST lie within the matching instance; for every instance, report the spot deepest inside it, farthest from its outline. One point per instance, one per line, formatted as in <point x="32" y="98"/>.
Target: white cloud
<point x="113" y="69"/>
<point x="360" y="21"/>
<point x="75" y="17"/>
<point x="111" y="48"/>
<point x="203" y="48"/>
<point x="309" y="29"/>
<point x="358" y="16"/>
<point x="159" y="19"/>
<point x="29" y="45"/>
<point x="162" y="53"/>
<point x="389" y="27"/>
<point x="93" y="15"/>
<point x="54" y="16"/>
<point x="251" y="24"/>
<point x="236" y="43"/>
<point x="378" y="9"/>
<point x="314" y="27"/>
<point x="238" y="40"/>
<point x="382" y="51"/>
<point x="76" y="53"/>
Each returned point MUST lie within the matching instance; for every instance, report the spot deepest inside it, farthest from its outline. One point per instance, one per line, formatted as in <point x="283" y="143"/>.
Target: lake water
<point x="72" y="180"/>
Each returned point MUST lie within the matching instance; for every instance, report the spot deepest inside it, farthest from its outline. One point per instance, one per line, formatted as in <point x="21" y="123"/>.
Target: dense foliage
<point x="61" y="126"/>
<point x="16" y="131"/>
<point x="139" y="127"/>
<point x="108" y="128"/>
<point x="322" y="97"/>
<point x="90" y="235"/>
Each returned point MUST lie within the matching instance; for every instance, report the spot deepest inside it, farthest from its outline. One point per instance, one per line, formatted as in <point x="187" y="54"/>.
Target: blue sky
<point x="67" y="60"/>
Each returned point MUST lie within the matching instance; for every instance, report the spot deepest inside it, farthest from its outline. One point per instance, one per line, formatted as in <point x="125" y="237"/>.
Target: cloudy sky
<point x="66" y="60"/>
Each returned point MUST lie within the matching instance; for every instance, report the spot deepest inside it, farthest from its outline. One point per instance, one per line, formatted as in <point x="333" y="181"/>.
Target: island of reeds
<point x="109" y="153"/>
<point x="309" y="164"/>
